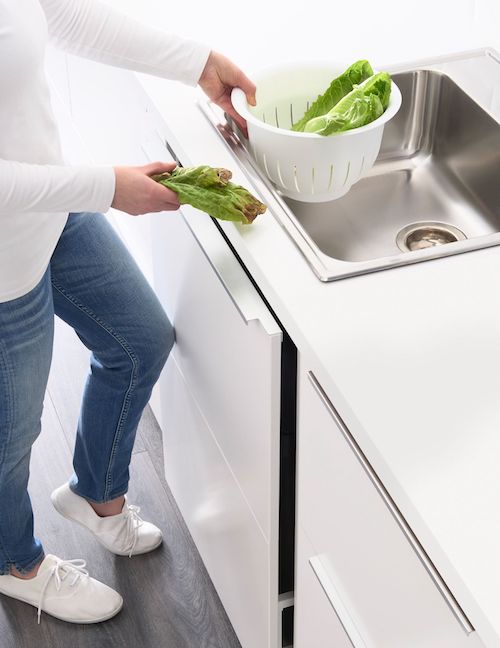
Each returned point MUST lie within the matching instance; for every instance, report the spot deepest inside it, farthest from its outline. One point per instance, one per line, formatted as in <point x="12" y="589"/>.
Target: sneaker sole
<point x="90" y="621"/>
<point x="114" y="551"/>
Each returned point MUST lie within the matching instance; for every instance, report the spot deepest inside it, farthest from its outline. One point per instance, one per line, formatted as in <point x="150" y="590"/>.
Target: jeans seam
<point x="126" y="401"/>
<point x="10" y="409"/>
<point x="10" y="397"/>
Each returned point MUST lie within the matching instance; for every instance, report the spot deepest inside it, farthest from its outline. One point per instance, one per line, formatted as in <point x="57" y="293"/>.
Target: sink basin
<point x="434" y="190"/>
<point x="439" y="162"/>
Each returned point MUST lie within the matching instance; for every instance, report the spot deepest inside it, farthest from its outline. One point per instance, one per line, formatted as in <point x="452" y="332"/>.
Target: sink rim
<point x="328" y="268"/>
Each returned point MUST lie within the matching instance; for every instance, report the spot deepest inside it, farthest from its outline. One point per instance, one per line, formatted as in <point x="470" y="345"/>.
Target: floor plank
<point x="169" y="599"/>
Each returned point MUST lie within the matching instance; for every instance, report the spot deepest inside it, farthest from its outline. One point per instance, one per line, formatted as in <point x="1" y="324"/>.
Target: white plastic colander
<point x="306" y="166"/>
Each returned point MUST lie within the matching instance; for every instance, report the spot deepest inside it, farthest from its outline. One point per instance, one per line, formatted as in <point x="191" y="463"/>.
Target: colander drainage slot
<point x="418" y="236"/>
<point x="331" y="178"/>
<point x="294" y="166"/>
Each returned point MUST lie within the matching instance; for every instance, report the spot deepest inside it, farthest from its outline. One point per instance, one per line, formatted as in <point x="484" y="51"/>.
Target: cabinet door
<point x="317" y="624"/>
<point x="222" y="525"/>
<point x="359" y="547"/>
<point x="228" y="348"/>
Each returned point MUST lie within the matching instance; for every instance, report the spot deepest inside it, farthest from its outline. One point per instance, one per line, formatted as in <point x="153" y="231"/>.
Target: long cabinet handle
<point x="240" y="310"/>
<point x="337" y="604"/>
<point x="424" y="558"/>
<point x="151" y="155"/>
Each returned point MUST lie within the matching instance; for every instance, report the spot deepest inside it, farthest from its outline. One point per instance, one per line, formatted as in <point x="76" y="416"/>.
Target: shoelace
<point x="134" y="521"/>
<point x="60" y="571"/>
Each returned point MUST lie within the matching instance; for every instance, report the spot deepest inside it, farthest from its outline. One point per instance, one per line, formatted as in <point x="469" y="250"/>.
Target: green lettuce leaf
<point x="210" y="190"/>
<point x="361" y="106"/>
<point x="379" y="84"/>
<point x="338" y="88"/>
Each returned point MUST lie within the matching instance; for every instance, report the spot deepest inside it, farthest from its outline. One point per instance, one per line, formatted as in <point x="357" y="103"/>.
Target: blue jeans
<point x="93" y="284"/>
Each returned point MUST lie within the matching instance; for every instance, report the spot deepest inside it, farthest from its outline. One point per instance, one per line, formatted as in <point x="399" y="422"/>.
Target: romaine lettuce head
<point x="379" y="84"/>
<point x="339" y="87"/>
<point x="361" y="106"/>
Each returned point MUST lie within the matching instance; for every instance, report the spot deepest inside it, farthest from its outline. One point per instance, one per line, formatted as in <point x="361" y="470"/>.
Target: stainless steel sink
<point x="434" y="191"/>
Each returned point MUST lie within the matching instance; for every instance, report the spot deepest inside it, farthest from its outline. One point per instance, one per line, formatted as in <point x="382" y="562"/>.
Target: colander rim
<point x="240" y="104"/>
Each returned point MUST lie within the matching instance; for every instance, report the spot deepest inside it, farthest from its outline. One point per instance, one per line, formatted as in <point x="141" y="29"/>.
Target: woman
<point x="59" y="255"/>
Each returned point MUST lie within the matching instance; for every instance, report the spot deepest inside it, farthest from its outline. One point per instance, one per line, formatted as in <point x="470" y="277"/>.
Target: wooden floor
<point x="170" y="601"/>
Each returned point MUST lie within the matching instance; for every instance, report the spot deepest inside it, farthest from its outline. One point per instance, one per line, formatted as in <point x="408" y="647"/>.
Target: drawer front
<point x="358" y="544"/>
<point x="230" y="360"/>
<point x="226" y="534"/>
<point x="316" y="621"/>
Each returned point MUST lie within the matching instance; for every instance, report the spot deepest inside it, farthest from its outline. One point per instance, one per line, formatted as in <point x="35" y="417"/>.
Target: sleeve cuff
<point x="102" y="183"/>
<point x="196" y="58"/>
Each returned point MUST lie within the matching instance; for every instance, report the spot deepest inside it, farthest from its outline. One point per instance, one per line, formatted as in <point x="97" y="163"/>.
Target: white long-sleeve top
<point x="37" y="188"/>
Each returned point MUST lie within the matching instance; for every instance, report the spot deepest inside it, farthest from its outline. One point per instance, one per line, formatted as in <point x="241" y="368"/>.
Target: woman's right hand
<point x="136" y="193"/>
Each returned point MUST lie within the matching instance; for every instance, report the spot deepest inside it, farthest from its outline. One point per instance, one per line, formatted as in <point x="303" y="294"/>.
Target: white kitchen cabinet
<point x="215" y="510"/>
<point x="230" y="360"/>
<point x="222" y="463"/>
<point x="377" y="585"/>
<point x="317" y="624"/>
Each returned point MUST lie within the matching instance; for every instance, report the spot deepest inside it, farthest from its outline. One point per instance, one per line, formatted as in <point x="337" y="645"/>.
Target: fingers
<point x="158" y="167"/>
<point x="218" y="80"/>
<point x="226" y="105"/>
<point x="136" y="193"/>
<point x="170" y="207"/>
<point x="231" y="75"/>
<point x="236" y="78"/>
<point x="164" y="197"/>
<point x="248" y="87"/>
<point x="169" y="199"/>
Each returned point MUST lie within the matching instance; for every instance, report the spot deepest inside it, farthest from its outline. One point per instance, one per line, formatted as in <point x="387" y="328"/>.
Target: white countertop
<point x="409" y="356"/>
<point x="411" y="359"/>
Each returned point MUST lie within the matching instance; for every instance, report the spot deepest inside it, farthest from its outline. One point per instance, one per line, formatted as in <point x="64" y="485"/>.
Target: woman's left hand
<point x="217" y="80"/>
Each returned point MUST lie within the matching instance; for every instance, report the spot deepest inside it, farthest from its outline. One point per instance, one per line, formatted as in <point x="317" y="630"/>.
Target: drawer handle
<point x="336" y="602"/>
<point x="171" y="151"/>
<point x="165" y="142"/>
<point x="176" y="158"/>
<point x="246" y="319"/>
<point x="436" y="577"/>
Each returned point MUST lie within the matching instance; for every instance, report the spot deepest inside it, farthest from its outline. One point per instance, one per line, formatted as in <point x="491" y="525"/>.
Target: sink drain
<point x="418" y="236"/>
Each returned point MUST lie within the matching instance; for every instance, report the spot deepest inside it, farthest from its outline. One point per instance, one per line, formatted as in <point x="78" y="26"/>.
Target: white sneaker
<point x="64" y="589"/>
<point x="125" y="534"/>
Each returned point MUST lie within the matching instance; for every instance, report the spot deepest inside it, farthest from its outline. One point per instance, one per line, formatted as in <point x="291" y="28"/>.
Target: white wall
<point x="487" y="21"/>
<point x="385" y="31"/>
